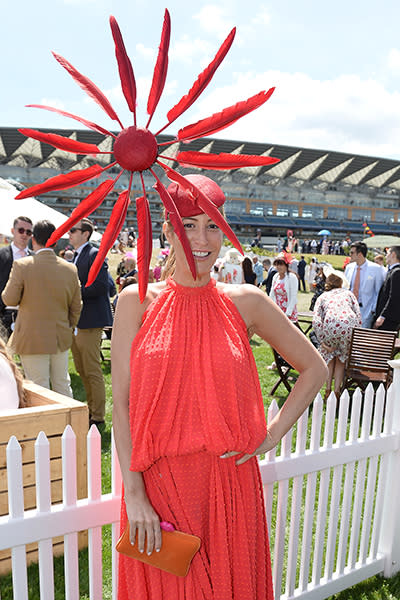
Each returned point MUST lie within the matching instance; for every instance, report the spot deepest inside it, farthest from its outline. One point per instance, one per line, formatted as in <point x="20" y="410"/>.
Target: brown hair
<point x="396" y="250"/>
<point x="169" y="267"/>
<point x="127" y="281"/>
<point x="247" y="266"/>
<point x="26" y="219"/>
<point x="87" y="225"/>
<point x="280" y="261"/>
<point x="16" y="372"/>
<point x="332" y="282"/>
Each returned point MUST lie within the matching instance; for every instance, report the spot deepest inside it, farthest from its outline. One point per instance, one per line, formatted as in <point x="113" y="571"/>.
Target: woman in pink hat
<point x="189" y="418"/>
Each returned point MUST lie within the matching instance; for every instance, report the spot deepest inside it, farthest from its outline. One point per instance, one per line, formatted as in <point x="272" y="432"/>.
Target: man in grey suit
<point x="22" y="232"/>
<point x="366" y="279"/>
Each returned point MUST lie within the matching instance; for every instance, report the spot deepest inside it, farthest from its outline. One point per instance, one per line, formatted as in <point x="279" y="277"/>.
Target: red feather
<point x="88" y="124"/>
<point x="205" y="204"/>
<point x="114" y="226"/>
<point x="176" y="222"/>
<point x="58" y="141"/>
<point x="89" y="87"/>
<point x="61" y="182"/>
<point x="144" y="244"/>
<point x="124" y="67"/>
<point x="202" y="81"/>
<point x="224" y="118"/>
<point x="223" y="160"/>
<point x="149" y="237"/>
<point x="160" y="69"/>
<point x="84" y="208"/>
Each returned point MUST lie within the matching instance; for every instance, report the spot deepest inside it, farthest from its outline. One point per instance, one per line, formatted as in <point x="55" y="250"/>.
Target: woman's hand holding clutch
<point x="143" y="522"/>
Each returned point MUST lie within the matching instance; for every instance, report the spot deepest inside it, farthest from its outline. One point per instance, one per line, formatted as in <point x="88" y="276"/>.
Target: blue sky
<point x="336" y="66"/>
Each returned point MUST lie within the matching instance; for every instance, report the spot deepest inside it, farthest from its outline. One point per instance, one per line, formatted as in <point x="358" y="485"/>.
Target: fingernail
<point x="148" y="552"/>
<point x="157" y="549"/>
<point x="141" y="550"/>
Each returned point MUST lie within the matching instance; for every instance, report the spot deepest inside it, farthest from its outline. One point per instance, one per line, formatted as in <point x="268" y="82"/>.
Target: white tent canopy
<point x="29" y="207"/>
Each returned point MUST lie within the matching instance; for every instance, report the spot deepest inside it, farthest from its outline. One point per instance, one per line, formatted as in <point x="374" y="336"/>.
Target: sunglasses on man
<point x="21" y="230"/>
<point x="73" y="229"/>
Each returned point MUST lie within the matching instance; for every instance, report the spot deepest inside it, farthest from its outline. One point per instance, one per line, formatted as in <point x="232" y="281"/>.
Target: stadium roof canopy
<point x="319" y="168"/>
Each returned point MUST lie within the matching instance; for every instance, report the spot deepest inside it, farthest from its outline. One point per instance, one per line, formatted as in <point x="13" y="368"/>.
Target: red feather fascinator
<point x="136" y="150"/>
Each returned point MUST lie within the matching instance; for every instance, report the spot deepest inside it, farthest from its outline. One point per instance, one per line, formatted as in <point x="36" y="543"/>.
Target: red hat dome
<point x="186" y="201"/>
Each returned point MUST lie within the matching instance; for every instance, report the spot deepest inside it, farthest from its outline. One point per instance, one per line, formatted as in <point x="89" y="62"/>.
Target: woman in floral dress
<point x="336" y="313"/>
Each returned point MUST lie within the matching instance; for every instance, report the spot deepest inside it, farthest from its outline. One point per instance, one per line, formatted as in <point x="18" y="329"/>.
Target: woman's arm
<point x="272" y="291"/>
<point x="269" y="322"/>
<point x="317" y="321"/>
<point x="141" y="516"/>
<point x="354" y="305"/>
<point x="292" y="287"/>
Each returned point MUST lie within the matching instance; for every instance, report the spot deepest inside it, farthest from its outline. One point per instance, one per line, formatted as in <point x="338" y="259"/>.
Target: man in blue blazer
<point x="22" y="231"/>
<point x="96" y="314"/>
<point x="366" y="279"/>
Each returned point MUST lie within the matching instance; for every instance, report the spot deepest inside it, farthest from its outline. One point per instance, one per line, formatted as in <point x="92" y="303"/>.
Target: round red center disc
<point x="135" y="149"/>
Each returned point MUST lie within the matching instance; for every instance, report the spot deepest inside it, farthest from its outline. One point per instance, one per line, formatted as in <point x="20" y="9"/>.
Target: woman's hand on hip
<point x="265" y="447"/>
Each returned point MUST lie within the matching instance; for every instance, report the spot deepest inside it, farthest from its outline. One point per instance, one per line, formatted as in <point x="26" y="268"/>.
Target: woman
<point x="318" y="286"/>
<point x="336" y="313"/>
<point x="285" y="287"/>
<point x="312" y="271"/>
<point x="188" y="451"/>
<point x="157" y="270"/>
<point x="248" y="273"/>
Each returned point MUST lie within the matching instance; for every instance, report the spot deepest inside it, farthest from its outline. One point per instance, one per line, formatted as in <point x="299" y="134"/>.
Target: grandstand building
<point x="308" y="190"/>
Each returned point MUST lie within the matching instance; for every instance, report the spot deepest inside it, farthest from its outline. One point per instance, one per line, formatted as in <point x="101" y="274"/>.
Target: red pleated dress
<point x="195" y="395"/>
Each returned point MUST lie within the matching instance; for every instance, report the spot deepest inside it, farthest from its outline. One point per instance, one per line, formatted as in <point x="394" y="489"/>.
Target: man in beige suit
<point x="48" y="292"/>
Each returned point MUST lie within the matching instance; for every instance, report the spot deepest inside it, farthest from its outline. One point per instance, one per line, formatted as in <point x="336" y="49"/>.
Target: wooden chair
<point x="284" y="369"/>
<point x="368" y="357"/>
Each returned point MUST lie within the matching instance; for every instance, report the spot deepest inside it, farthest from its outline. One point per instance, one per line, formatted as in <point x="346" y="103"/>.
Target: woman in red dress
<point x="189" y="419"/>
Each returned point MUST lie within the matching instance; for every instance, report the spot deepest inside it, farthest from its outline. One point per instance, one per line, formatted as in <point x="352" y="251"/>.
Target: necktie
<point x="75" y="257"/>
<point x="356" y="285"/>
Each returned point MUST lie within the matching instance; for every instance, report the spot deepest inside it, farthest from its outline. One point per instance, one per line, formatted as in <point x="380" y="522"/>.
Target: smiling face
<point x="205" y="240"/>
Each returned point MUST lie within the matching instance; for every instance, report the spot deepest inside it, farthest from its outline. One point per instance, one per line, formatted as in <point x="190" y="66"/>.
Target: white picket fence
<point x="332" y="503"/>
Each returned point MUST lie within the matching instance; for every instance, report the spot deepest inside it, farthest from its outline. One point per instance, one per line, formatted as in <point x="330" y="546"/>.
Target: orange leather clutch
<point x="176" y="553"/>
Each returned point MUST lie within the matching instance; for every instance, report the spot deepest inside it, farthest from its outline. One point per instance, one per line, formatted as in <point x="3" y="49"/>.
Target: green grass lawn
<point x="376" y="588"/>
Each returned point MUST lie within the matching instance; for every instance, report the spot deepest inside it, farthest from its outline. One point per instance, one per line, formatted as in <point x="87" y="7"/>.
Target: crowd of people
<point x="47" y="309"/>
<point x="366" y="294"/>
<point x="320" y="245"/>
